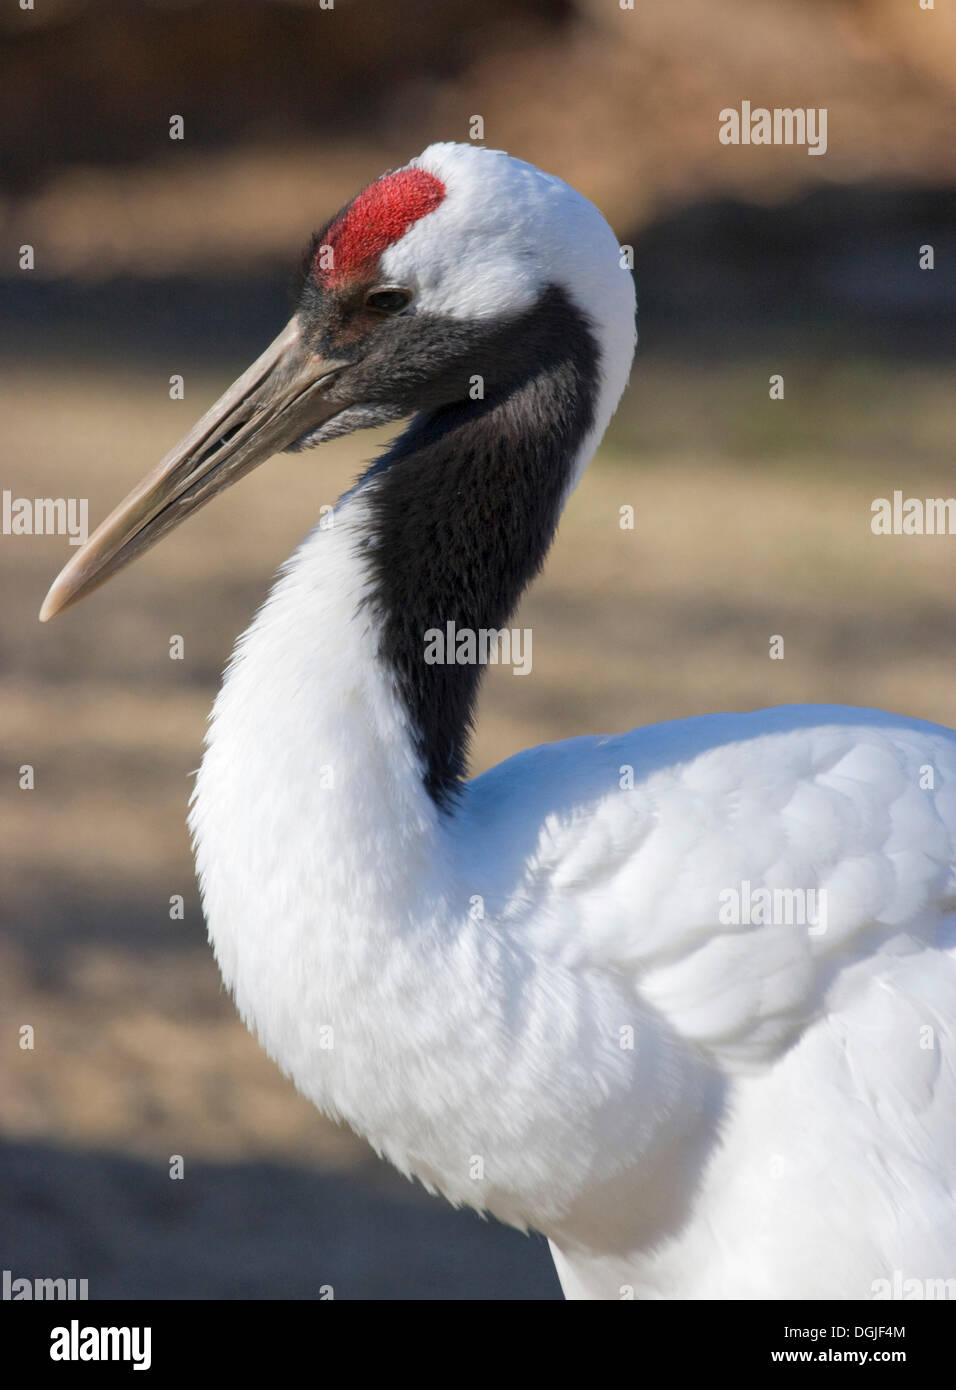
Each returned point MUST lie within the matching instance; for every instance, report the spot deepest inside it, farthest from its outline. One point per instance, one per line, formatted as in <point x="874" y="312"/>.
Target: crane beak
<point x="280" y="398"/>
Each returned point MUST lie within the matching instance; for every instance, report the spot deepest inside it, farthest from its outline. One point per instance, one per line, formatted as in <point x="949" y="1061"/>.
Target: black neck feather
<point x="462" y="511"/>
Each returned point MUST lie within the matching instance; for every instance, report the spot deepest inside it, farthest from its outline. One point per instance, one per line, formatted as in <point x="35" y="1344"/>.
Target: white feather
<point x="463" y="989"/>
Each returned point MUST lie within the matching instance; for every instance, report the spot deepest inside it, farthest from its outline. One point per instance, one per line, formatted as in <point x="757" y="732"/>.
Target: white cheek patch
<point x="463" y="270"/>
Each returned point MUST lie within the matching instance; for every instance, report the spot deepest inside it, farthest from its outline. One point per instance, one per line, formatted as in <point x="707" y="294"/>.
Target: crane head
<point x="418" y="294"/>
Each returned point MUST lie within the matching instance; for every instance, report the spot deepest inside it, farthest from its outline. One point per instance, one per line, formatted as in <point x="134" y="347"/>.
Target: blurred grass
<point x="752" y="519"/>
<point x="873" y="416"/>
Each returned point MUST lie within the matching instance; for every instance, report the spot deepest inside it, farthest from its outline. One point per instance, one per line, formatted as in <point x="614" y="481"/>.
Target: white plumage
<point x="535" y="1000"/>
<point x="782" y="1126"/>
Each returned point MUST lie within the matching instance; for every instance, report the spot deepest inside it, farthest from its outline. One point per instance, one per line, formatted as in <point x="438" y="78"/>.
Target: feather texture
<point x="681" y="999"/>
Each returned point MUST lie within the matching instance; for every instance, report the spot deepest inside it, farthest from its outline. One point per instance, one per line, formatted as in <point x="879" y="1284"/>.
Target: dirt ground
<point x="751" y="520"/>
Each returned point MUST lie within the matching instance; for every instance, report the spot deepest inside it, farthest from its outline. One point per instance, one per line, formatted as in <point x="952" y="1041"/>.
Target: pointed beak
<point x="280" y="398"/>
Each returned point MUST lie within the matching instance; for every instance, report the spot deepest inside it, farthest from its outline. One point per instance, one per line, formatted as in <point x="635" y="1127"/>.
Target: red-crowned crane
<point x="584" y="991"/>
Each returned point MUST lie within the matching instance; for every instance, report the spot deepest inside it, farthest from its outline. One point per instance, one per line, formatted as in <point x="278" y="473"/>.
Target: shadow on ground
<point x="248" y="1230"/>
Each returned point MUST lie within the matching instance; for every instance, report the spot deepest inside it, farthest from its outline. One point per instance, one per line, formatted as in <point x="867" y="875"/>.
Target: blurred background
<point x="155" y="256"/>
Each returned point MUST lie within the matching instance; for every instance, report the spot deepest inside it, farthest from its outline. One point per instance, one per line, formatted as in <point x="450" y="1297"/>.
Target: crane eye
<point x="388" y="301"/>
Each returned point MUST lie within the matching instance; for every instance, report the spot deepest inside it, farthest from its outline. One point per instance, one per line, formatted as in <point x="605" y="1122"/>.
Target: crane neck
<point x="376" y="942"/>
<point x="458" y="517"/>
<point x="333" y="735"/>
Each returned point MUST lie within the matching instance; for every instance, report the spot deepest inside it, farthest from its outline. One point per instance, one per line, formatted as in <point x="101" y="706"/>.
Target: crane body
<point x="682" y="999"/>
